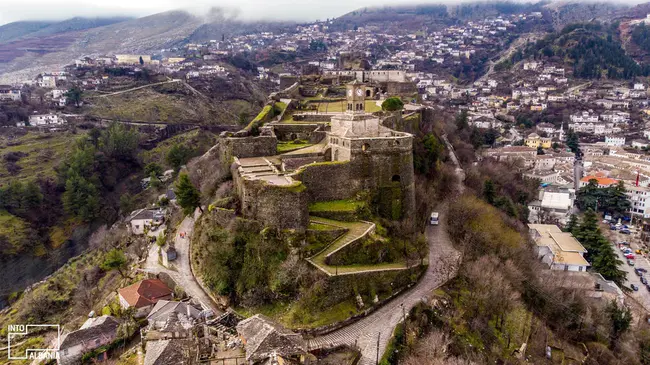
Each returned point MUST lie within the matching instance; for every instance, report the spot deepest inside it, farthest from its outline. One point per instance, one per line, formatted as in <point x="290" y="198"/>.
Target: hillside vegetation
<point x="591" y="50"/>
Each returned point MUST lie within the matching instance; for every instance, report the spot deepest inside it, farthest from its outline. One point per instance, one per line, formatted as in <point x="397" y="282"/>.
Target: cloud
<point x="305" y="10"/>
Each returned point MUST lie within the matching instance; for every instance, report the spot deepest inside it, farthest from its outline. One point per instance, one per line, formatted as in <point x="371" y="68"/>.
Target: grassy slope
<point x="169" y="104"/>
<point x="196" y="139"/>
<point x="45" y="151"/>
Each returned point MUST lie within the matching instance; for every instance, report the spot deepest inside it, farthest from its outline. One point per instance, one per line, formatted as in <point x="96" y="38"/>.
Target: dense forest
<point x="641" y="36"/>
<point x="592" y="49"/>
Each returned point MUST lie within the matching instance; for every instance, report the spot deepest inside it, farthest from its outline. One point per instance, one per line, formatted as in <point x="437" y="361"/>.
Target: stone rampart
<point x="243" y="147"/>
<point x="328" y="181"/>
<point x="285" y="207"/>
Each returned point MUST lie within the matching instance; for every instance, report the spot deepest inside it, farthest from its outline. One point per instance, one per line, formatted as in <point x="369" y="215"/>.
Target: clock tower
<point x="356" y="98"/>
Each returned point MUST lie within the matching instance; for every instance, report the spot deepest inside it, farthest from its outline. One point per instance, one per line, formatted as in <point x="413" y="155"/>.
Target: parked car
<point x="629" y="256"/>
<point x="644" y="281"/>
<point x="637" y="271"/>
<point x="642" y="269"/>
<point x="630" y="262"/>
<point x="612" y="227"/>
<point x="625" y="231"/>
<point x="634" y="287"/>
<point x="624" y="243"/>
<point x="638" y="252"/>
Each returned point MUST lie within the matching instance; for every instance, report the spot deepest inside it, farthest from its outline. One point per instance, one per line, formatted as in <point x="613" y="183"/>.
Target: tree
<point x="115" y="260"/>
<point x="392" y="104"/>
<point x="540" y="150"/>
<point x="153" y="169"/>
<point x="178" y="156"/>
<point x="81" y="197"/>
<point x="462" y="120"/>
<point x="187" y="195"/>
<point x="489" y="192"/>
<point x="621" y="319"/>
<point x="141" y="61"/>
<point x="74" y="94"/>
<point x="572" y="224"/>
<point x="119" y="142"/>
<point x="572" y="141"/>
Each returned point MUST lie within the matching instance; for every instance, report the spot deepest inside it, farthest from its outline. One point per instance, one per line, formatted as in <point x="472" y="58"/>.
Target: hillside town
<point x="333" y="194"/>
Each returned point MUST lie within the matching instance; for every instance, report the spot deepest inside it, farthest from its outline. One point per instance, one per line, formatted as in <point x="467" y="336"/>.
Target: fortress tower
<point x="380" y="159"/>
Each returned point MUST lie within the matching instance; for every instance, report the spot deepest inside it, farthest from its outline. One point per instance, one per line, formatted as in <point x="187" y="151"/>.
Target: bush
<point x="392" y="104"/>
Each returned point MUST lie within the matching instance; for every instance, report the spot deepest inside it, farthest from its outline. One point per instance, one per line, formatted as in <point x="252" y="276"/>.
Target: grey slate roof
<point x="91" y="329"/>
<point x="264" y="338"/>
<point x="170" y="352"/>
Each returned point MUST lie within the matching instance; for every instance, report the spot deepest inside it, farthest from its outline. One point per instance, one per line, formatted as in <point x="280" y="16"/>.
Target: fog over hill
<point x="30" y="47"/>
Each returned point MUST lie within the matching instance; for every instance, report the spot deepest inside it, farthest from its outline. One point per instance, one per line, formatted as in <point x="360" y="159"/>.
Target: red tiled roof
<point x="604" y="181"/>
<point x="145" y="292"/>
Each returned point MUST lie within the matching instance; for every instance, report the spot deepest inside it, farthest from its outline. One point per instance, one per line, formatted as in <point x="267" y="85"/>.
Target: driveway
<point x="181" y="271"/>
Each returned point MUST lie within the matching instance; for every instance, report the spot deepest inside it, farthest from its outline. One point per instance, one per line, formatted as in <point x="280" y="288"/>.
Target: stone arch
<point x="336" y="155"/>
<point x="396" y="178"/>
<point x="365" y="147"/>
<point x="367" y="93"/>
<point x="293" y="136"/>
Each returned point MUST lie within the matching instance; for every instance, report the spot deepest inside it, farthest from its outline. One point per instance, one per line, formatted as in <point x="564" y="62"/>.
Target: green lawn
<point x="347" y="205"/>
<point x="290" y="146"/>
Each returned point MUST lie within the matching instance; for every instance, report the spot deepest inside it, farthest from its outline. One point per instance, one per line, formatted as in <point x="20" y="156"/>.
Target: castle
<point x="354" y="152"/>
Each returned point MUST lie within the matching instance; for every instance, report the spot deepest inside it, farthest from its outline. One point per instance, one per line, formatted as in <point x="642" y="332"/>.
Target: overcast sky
<point x="308" y="10"/>
<point x="14" y="10"/>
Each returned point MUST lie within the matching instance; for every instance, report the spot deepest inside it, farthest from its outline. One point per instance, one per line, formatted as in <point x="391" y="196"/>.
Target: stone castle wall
<point x="242" y="147"/>
<point x="328" y="181"/>
<point x="290" y="132"/>
<point x="285" y="207"/>
<point x="385" y="167"/>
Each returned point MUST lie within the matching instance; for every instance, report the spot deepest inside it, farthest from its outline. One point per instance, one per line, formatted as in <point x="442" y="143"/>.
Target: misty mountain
<point x="15" y="30"/>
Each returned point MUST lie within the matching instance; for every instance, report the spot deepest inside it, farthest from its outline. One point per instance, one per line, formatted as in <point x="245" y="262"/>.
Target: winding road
<point x="372" y="333"/>
<point x="181" y="271"/>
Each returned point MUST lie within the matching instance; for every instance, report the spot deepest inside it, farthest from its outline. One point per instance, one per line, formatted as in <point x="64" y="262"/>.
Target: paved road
<point x="643" y="295"/>
<point x="181" y="271"/>
<point x="443" y="264"/>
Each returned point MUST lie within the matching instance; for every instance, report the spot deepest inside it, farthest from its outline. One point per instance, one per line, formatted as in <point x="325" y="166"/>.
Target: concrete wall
<point x="328" y="181"/>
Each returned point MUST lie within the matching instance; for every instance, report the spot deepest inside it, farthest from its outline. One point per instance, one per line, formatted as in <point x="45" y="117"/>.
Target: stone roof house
<point x="95" y="332"/>
<point x="265" y="341"/>
<point x="170" y="352"/>
<point x="185" y="314"/>
<point x="144" y="294"/>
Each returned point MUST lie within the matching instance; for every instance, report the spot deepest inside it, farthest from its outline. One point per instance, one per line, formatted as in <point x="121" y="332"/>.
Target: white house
<point x="616" y="141"/>
<point x="142" y="219"/>
<point x="560" y="250"/>
<point x="45" y="120"/>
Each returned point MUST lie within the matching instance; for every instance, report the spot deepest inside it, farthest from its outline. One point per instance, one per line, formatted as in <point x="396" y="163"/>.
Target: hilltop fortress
<point x="350" y="151"/>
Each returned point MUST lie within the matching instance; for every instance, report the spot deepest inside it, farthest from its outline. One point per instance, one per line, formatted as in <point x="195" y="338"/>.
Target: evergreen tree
<point x="572" y="224"/>
<point x="489" y="192"/>
<point x="572" y="141"/>
<point x="187" y="195"/>
<point x="74" y="94"/>
<point x="621" y="319"/>
<point x="81" y="197"/>
<point x="462" y="120"/>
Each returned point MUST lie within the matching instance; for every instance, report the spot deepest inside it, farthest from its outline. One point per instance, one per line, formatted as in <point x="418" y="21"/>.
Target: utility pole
<point x="378" y="336"/>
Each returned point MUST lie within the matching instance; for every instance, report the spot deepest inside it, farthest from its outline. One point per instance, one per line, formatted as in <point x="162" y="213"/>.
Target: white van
<point x="433" y="220"/>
